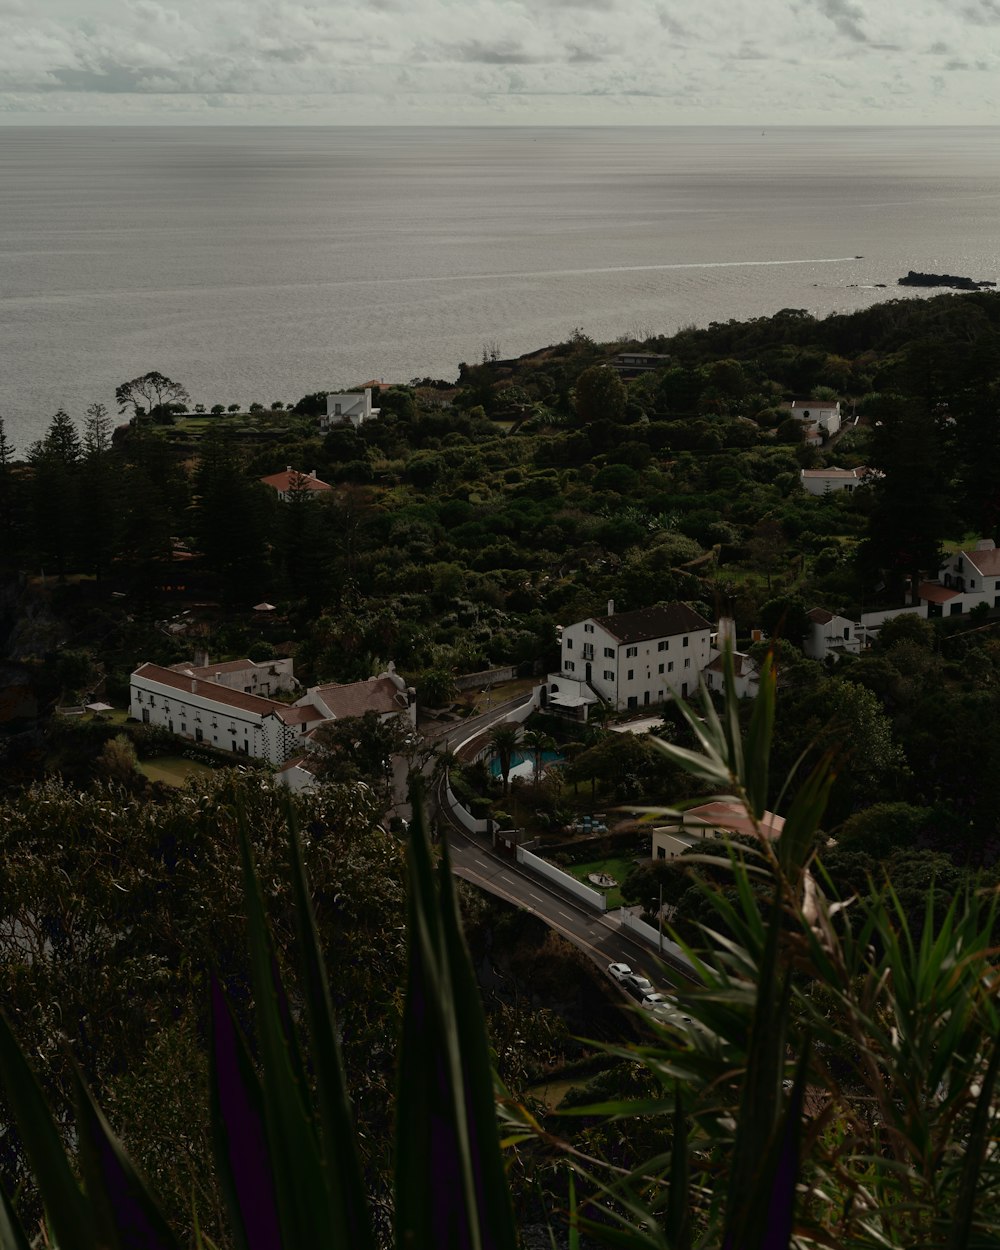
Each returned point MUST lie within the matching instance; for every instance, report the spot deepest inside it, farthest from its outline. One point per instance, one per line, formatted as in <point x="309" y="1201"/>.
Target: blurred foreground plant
<point x="831" y="1062"/>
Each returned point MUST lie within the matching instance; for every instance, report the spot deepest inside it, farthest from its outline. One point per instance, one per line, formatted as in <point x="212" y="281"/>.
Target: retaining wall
<point x="592" y="898"/>
<point x="490" y="677"/>
<point x="648" y="934"/>
<point x="463" y="815"/>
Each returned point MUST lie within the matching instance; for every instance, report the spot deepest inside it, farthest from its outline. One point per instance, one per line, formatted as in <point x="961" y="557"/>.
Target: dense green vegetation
<point x="464" y="525"/>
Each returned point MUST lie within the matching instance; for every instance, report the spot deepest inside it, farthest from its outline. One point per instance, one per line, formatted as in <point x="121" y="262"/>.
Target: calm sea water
<point x="260" y="264"/>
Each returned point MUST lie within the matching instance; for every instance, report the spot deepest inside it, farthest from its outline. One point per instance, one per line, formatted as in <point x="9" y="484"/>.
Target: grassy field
<point x="613" y="866"/>
<point x="173" y="769"/>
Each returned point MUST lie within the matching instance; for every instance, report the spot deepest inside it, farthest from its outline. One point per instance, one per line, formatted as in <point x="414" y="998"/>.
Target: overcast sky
<point x="501" y="61"/>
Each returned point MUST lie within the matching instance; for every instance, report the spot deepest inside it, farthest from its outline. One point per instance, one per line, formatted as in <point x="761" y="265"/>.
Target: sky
<point x="500" y="62"/>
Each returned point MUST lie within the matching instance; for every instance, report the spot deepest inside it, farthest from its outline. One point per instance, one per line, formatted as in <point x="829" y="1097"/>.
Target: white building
<point x="230" y="720"/>
<point x="350" y="408"/>
<point x="266" y="678"/>
<point x="636" y="659"/>
<point x="821" y="418"/>
<point x="712" y="820"/>
<point x="830" y="634"/>
<point x="830" y="481"/>
<point x="965" y="580"/>
<point x="746" y="675"/>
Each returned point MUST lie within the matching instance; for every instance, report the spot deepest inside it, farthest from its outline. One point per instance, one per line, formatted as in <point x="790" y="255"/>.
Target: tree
<point x="600" y="394"/>
<point x="538" y="743"/>
<point x="117" y="759"/>
<point x="217" y="410"/>
<point x="55" y="489"/>
<point x="97" y="431"/>
<point x="150" y="395"/>
<point x="233" y="408"/>
<point x="504" y="740"/>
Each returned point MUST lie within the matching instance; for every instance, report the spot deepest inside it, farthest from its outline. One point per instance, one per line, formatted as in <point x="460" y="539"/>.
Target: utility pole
<point x="659" y="921"/>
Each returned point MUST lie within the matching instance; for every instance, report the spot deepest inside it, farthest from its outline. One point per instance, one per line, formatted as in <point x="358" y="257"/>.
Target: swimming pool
<point x="525" y="762"/>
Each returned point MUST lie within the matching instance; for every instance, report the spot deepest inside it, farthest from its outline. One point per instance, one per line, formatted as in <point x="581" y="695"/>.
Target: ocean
<point x="266" y="263"/>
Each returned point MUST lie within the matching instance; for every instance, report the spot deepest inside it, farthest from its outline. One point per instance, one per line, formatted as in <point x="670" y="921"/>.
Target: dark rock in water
<point x="943" y="279"/>
<point x="880" y="286"/>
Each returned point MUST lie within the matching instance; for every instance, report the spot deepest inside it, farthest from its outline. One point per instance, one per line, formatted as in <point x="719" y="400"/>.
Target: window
<point x="588" y="629"/>
<point x="972" y="583"/>
<point x="670" y="666"/>
<point x="152" y="701"/>
<point x="609" y="674"/>
<point x="956" y="609"/>
<point x="685" y="642"/>
<point x="660" y="669"/>
<point x="569" y="644"/>
<point x="629" y="651"/>
<point x="184" y="728"/>
<point x="570" y="665"/>
<point x="661" y="852"/>
<point x="609" y="653"/>
<point x="138" y="697"/>
<point x="847" y="632"/>
<point x="687" y="663"/>
<point x="631" y="673"/>
<point x="663" y="645"/>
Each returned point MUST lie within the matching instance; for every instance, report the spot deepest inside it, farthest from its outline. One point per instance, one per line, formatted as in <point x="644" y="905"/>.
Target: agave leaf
<point x="980" y="1134"/>
<point x="803" y="819"/>
<point x="757" y="751"/>
<point x="678" y="1214"/>
<point x="492" y="1194"/>
<point x="303" y="1198"/>
<point x="343" y="1167"/>
<point x="69" y="1211"/>
<point x="239" y="1136"/>
<point x="125" y="1212"/>
<point x="12" y="1236"/>
<point x="450" y="1185"/>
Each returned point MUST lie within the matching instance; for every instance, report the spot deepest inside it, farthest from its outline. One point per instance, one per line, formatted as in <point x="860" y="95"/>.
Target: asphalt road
<point x="600" y="937"/>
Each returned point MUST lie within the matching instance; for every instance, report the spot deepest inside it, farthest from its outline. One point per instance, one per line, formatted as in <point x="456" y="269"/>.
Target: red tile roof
<point x="934" y="592"/>
<point x="820" y="616"/>
<point x="226" y="697"/>
<point x="987" y="562"/>
<point x="206" y="670"/>
<point x="355" y="698"/>
<point x="293" y="480"/>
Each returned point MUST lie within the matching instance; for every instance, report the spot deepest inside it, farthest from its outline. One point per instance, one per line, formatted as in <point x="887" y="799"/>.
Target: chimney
<point x="288" y="468"/>
<point x="611" y="607"/>
<point x="194" y="686"/>
<point x="312" y="474"/>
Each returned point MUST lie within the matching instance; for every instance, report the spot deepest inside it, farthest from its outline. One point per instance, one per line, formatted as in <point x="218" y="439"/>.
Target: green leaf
<point x="975" y="1152"/>
<point x="450" y="1185"/>
<point x="126" y="1214"/>
<point x="239" y="1137"/>
<point x="677" y="1223"/>
<point x="303" y="1198"/>
<point x="12" y="1236"/>
<point x="343" y="1167"/>
<point x="68" y="1209"/>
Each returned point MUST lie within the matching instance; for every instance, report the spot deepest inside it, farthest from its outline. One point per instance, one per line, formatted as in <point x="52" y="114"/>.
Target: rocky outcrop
<point x="943" y="279"/>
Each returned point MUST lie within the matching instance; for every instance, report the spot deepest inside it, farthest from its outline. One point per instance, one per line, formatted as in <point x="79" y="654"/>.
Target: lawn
<point x="173" y="769"/>
<point x="615" y="866"/>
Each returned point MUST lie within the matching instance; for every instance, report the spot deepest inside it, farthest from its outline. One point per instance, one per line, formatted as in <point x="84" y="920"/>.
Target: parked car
<point x="619" y="971"/>
<point x="638" y="986"/>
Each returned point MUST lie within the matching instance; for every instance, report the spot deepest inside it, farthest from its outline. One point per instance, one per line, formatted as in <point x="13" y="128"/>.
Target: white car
<point x="619" y="971"/>
<point x="654" y="1000"/>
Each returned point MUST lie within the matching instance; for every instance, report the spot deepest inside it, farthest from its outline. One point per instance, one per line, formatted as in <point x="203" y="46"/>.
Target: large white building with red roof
<point x="216" y="705"/>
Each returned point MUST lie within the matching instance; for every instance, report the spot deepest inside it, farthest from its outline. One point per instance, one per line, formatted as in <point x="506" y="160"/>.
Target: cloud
<point x="982" y="12"/>
<point x="847" y="18"/>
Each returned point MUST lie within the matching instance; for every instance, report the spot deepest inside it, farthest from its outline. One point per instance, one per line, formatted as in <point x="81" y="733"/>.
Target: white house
<point x="350" y="408"/>
<point x="830" y="634"/>
<point x="635" y="659"/>
<point x="746" y="675"/>
<point x="231" y="720"/>
<point x="965" y="580"/>
<point x="266" y="678"/>
<point x="292" y="482"/>
<point x="712" y="820"/>
<point x="821" y="418"/>
<point x="830" y="481"/>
